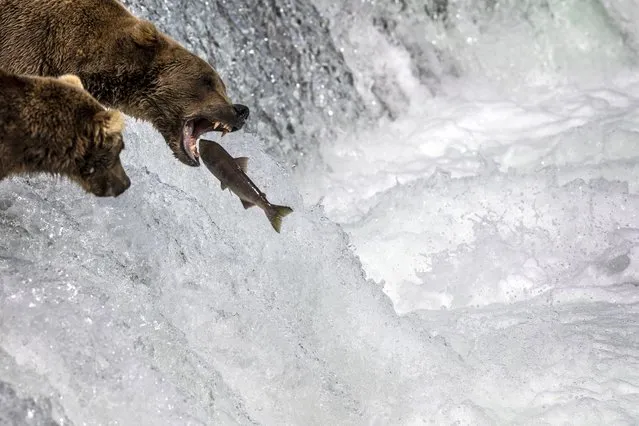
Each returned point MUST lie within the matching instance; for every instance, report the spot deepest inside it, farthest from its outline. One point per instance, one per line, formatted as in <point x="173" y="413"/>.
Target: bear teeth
<point x="222" y="126"/>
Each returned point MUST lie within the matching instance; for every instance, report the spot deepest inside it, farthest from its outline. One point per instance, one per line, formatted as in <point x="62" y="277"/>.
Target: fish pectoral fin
<point x="223" y="186"/>
<point x="242" y="162"/>
<point x="247" y="204"/>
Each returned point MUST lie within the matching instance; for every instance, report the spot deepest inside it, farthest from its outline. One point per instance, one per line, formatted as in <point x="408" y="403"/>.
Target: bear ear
<point x="71" y="79"/>
<point x="144" y="34"/>
<point x="110" y="120"/>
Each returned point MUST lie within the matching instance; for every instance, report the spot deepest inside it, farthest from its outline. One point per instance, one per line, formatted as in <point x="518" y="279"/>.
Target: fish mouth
<point x="195" y="127"/>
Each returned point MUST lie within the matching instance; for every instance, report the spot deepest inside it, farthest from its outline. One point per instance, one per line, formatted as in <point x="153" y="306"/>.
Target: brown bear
<point x="124" y="62"/>
<point x="52" y="125"/>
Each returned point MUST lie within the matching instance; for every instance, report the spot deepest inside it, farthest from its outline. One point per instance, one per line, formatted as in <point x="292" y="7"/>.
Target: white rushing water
<point x="473" y="260"/>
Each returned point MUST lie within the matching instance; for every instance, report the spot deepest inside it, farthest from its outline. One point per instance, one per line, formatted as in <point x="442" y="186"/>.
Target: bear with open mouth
<point x="52" y="125"/>
<point x="124" y="62"/>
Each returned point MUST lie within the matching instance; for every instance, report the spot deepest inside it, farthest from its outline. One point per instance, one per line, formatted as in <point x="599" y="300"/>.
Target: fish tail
<point x="275" y="214"/>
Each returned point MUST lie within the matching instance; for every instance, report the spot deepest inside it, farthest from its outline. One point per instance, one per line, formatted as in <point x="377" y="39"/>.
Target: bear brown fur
<point x="52" y="125"/>
<point x="124" y="62"/>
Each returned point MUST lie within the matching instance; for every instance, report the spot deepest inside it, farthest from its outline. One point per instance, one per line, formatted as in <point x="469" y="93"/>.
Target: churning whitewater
<point x="464" y="246"/>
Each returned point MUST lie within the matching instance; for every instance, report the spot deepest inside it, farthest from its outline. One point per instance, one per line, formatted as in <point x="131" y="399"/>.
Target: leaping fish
<point x="231" y="172"/>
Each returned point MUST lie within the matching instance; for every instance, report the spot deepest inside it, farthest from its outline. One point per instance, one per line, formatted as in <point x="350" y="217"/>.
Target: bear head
<point x="185" y="97"/>
<point x="98" y="168"/>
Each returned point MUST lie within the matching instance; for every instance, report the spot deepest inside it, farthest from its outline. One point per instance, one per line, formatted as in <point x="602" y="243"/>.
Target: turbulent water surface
<point x="464" y="247"/>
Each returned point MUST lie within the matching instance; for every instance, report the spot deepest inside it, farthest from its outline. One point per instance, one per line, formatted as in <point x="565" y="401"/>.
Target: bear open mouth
<point x="196" y="127"/>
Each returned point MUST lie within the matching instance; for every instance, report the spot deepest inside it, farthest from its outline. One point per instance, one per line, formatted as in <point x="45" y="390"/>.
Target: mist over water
<point x="464" y="247"/>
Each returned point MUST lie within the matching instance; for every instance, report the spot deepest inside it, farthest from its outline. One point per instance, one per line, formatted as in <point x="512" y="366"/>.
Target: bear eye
<point x="92" y="170"/>
<point x="207" y="81"/>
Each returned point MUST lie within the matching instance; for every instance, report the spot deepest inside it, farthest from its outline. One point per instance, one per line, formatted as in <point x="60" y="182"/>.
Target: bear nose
<point x="242" y="111"/>
<point x="123" y="186"/>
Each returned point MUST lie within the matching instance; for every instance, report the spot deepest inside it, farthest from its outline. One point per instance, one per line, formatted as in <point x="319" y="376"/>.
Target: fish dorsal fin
<point x="223" y="186"/>
<point x="247" y="204"/>
<point x="242" y="162"/>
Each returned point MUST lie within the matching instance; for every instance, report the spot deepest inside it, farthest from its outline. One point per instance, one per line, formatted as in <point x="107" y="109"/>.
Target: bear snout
<point x="242" y="112"/>
<point x="110" y="183"/>
<point x="121" y="186"/>
<point x="118" y="181"/>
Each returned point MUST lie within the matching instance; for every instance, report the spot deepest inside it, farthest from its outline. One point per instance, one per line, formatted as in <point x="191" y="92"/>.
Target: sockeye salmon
<point x="231" y="172"/>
